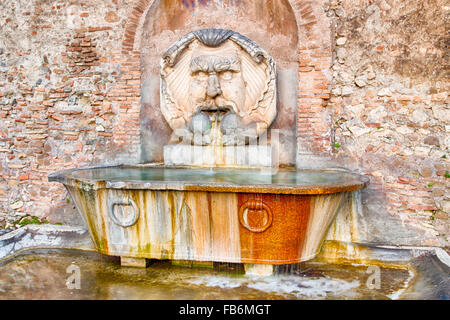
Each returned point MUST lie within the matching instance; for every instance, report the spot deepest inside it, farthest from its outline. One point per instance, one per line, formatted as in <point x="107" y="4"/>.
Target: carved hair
<point x="214" y="38"/>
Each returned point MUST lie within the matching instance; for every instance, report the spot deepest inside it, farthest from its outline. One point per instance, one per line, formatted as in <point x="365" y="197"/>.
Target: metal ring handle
<point x="128" y="202"/>
<point x="257" y="206"/>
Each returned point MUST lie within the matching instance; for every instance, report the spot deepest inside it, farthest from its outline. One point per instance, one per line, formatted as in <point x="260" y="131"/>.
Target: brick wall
<point x="69" y="96"/>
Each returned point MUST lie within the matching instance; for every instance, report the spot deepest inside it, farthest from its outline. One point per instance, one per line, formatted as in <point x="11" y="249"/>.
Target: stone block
<point x="133" y="262"/>
<point x="245" y="156"/>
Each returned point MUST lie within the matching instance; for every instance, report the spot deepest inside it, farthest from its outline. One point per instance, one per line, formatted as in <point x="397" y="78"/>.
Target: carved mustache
<point x="214" y="105"/>
<point x="215" y="108"/>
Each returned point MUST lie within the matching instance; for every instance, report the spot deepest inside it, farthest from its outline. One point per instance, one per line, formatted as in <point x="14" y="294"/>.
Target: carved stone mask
<point x="219" y="84"/>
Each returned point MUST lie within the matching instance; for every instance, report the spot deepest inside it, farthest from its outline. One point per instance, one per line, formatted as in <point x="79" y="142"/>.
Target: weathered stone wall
<point x="390" y="113"/>
<point x="68" y="97"/>
<point x="372" y="94"/>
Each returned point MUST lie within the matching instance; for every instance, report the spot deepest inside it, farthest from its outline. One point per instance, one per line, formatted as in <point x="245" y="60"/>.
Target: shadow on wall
<point x="367" y="218"/>
<point x="66" y="213"/>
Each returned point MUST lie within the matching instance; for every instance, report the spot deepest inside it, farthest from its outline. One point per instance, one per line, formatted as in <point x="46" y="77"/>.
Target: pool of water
<point x="42" y="274"/>
<point x="225" y="177"/>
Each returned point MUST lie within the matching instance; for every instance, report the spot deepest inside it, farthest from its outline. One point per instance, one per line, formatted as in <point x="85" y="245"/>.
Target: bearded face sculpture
<point x="217" y="87"/>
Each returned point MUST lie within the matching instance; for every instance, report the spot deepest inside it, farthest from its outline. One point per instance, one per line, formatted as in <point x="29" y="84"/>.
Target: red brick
<point x="105" y="134"/>
<point x="422" y="208"/>
<point x="24" y="176"/>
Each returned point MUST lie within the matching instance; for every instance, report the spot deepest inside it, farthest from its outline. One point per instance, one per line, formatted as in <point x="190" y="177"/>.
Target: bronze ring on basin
<point x="132" y="220"/>
<point x="259" y="207"/>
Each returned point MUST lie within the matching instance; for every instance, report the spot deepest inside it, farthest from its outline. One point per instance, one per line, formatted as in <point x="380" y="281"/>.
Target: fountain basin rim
<point x="71" y="177"/>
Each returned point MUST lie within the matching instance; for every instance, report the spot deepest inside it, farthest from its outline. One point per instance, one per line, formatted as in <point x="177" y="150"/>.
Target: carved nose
<point x="213" y="88"/>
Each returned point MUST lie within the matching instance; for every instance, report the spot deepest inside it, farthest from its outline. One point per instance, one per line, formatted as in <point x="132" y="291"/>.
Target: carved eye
<point x="202" y="76"/>
<point x="226" y="75"/>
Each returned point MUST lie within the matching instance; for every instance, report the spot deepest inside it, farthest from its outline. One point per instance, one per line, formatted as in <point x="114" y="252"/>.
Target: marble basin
<point x="252" y="216"/>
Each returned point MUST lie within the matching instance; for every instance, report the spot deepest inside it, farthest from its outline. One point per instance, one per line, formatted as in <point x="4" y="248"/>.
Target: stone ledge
<point x="44" y="236"/>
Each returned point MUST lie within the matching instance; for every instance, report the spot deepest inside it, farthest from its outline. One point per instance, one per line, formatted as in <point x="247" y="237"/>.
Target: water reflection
<point x="42" y="275"/>
<point x="220" y="176"/>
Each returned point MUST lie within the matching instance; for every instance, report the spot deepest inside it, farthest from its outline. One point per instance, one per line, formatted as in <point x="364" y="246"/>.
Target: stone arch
<point x="304" y="11"/>
<point x="132" y="25"/>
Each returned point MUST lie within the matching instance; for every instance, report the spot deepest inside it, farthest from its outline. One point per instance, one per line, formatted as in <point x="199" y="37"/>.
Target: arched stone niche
<point x="270" y="24"/>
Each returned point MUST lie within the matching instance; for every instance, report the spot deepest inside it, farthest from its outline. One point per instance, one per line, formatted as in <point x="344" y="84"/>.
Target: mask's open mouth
<point x="215" y="110"/>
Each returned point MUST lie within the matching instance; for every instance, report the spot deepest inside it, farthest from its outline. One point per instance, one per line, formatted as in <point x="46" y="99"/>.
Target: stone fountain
<point x="219" y="196"/>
